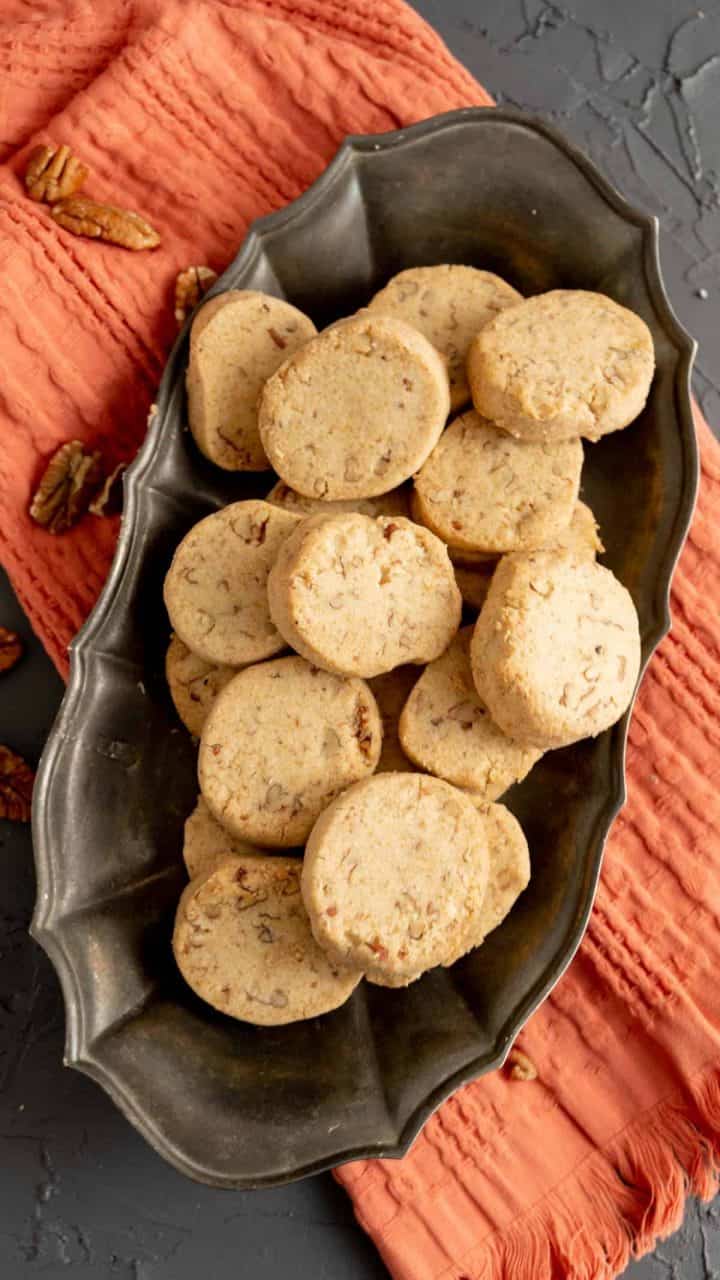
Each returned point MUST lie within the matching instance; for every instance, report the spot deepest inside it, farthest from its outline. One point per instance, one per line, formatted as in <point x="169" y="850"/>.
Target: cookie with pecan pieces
<point x="216" y="587"/>
<point x="449" y="304"/>
<point x="281" y="741"/>
<point x="555" y="654"/>
<point x="361" y="596"/>
<point x="237" y="341"/>
<point x="242" y="941"/>
<point x="206" y="843"/>
<point x="356" y="411"/>
<point x="194" y="683"/>
<point x="446" y="729"/>
<point x="394" y="876"/>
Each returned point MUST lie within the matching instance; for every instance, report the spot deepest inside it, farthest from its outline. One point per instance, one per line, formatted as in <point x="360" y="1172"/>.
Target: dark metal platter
<point x="237" y="1106"/>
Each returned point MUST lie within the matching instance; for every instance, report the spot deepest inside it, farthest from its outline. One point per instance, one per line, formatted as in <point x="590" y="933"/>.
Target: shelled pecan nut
<point x="191" y="285"/>
<point x="53" y="173"/>
<point x="70" y="480"/>
<point x="85" y="217"/>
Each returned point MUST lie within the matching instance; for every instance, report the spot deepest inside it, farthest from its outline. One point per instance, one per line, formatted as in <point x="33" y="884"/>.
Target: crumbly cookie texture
<point x="282" y="739"/>
<point x="361" y="596"/>
<point x="216" y="588"/>
<point x="563" y="364"/>
<point x="391" y="692"/>
<point x="242" y="941"/>
<point x="194" y="683"/>
<point x="356" y="411"/>
<point x="236" y="342"/>
<point x="482" y="490"/>
<point x="555" y="654"/>
<point x="449" y="304"/>
<point x="394" y="503"/>
<point x="206" y="844"/>
<point x="446" y="729"/>
<point x="394" y="876"/>
<point x="509" y="871"/>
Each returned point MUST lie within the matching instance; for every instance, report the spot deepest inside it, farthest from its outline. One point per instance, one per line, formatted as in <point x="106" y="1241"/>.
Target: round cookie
<point x="394" y="503"/>
<point x="216" y="587"/>
<point x="449" y="304"/>
<point x="361" y="596"/>
<point x="446" y="729"/>
<point x="481" y="490"/>
<point x="555" y="654"/>
<point x="242" y="941"/>
<point x="194" y="684"/>
<point x="394" y="876"/>
<point x="280" y="742"/>
<point x="474" y="583"/>
<point x="391" y="692"/>
<point x="563" y="364"/>
<point x="237" y="341"/>
<point x="509" y="870"/>
<point x="459" y="555"/>
<point x="356" y="411"/>
<point x="206" y="843"/>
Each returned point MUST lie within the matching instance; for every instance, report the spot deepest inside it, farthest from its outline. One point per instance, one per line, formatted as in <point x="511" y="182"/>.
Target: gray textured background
<point x="637" y="84"/>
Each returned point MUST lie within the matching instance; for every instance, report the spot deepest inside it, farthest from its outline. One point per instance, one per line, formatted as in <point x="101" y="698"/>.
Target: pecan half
<point x="85" y="217"/>
<point x="521" y="1067"/>
<point x="68" y="483"/>
<point x="53" y="173"/>
<point x="10" y="649"/>
<point x="16" y="784"/>
<point x="109" y="499"/>
<point x="191" y="285"/>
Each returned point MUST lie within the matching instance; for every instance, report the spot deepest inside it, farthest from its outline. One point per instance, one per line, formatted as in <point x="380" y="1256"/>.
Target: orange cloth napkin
<point x="203" y="115"/>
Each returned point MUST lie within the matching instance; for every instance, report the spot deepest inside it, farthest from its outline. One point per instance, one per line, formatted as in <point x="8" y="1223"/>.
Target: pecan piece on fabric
<point x="53" y="173"/>
<point x="521" y="1067"/>
<point x="85" y="217"/>
<point x="11" y="648"/>
<point x="68" y="483"/>
<point x="16" y="784"/>
<point x="108" y="500"/>
<point x="190" y="286"/>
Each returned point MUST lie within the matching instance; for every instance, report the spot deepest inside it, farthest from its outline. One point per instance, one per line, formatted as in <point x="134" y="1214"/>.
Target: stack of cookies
<point x="344" y="712"/>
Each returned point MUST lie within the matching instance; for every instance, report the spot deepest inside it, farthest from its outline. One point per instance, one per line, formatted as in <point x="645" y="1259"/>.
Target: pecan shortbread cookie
<point x="509" y="867"/>
<point x="356" y="411"/>
<point x="280" y="742"/>
<point x="449" y="304"/>
<point x="194" y="683"/>
<point x="361" y="596"/>
<point x="481" y="490"/>
<point x="555" y="653"/>
<point x="243" y="942"/>
<point x="237" y="341"/>
<point x="216" y="587"/>
<point x="446" y="729"/>
<point x="394" y="876"/>
<point x="206" y="844"/>
<point x="563" y="364"/>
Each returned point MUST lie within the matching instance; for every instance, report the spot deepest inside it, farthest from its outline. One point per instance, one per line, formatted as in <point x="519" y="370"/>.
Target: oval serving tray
<point x="227" y="1103"/>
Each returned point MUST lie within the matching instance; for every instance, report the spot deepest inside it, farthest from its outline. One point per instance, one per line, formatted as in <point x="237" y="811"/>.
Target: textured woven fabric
<point x="203" y="116"/>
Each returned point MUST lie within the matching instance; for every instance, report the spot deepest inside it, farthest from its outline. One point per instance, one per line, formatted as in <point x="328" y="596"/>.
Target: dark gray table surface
<point x="637" y="84"/>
